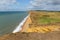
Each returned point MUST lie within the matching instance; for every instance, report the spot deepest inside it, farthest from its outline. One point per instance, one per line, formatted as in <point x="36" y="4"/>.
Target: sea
<point x="9" y="20"/>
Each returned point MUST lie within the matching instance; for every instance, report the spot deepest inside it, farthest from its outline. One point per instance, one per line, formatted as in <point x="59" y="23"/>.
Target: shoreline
<point x="19" y="27"/>
<point x="26" y="24"/>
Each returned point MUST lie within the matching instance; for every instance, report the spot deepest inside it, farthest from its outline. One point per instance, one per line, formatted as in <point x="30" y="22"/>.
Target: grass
<point x="43" y="17"/>
<point x="48" y="20"/>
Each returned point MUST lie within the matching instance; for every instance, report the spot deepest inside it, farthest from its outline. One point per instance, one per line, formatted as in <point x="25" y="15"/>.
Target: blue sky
<point x="23" y="5"/>
<point x="14" y="5"/>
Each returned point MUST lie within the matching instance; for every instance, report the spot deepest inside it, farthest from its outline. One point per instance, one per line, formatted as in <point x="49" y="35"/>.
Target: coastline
<point x="26" y="24"/>
<point x="39" y="32"/>
<point x="19" y="27"/>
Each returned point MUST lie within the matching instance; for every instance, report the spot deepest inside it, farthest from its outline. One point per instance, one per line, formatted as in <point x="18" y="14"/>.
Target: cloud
<point x="45" y="4"/>
<point x="8" y="5"/>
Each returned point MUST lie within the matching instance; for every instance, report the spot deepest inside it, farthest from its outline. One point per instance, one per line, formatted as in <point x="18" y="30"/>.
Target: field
<point x="44" y="21"/>
<point x="45" y="17"/>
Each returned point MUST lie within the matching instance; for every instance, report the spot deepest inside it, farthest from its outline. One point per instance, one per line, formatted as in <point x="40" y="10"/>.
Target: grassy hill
<point x="44" y="21"/>
<point x="45" y="17"/>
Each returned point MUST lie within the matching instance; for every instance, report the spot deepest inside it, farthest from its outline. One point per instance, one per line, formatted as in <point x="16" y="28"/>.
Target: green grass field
<point x="47" y="20"/>
<point x="45" y="17"/>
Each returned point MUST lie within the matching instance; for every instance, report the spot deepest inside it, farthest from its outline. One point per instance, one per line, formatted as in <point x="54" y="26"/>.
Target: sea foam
<point x="19" y="27"/>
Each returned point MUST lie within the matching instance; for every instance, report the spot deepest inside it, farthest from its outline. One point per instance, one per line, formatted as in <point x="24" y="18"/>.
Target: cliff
<point x="37" y="28"/>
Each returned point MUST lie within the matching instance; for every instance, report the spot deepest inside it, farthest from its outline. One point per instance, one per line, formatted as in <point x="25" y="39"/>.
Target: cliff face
<point x="26" y="24"/>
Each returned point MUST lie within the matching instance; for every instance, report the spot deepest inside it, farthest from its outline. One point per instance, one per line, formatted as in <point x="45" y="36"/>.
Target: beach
<point x="22" y="25"/>
<point x="26" y="24"/>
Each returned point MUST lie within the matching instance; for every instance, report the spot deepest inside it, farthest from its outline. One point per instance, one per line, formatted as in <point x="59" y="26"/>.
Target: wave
<point x="19" y="27"/>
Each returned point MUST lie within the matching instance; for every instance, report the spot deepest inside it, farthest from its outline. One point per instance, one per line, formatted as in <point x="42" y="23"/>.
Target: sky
<point x="23" y="5"/>
<point x="13" y="5"/>
<point x="53" y="5"/>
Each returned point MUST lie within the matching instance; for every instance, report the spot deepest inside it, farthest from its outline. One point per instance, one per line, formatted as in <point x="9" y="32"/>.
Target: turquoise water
<point x="10" y="20"/>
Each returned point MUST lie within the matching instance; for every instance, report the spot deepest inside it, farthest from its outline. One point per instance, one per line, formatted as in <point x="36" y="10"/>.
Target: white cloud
<point x="45" y="4"/>
<point x="8" y="4"/>
<point x="7" y="1"/>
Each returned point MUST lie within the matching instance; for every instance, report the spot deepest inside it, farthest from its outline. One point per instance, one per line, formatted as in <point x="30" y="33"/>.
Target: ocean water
<point x="10" y="20"/>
